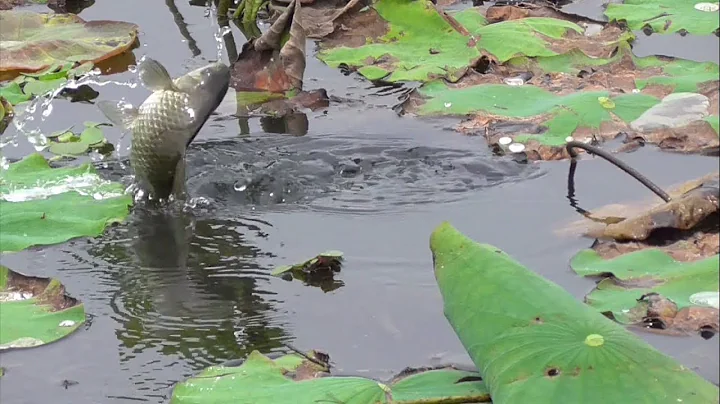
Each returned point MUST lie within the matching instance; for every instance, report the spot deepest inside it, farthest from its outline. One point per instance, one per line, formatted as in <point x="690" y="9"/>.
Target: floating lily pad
<point x="534" y="343"/>
<point x="631" y="280"/>
<point x="31" y="41"/>
<point x="13" y="93"/>
<point x="41" y="205"/>
<point x="67" y="143"/>
<point x="666" y="16"/>
<point x="318" y="271"/>
<point x="586" y="88"/>
<point x="35" y="311"/>
<point x="402" y="40"/>
<point x="292" y="379"/>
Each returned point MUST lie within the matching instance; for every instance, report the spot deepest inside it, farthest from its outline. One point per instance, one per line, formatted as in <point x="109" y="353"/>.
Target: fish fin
<point x="179" y="190"/>
<point x="123" y="117"/>
<point x="154" y="76"/>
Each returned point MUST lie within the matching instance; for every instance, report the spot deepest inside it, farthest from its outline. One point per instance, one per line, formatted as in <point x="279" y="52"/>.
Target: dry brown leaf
<point x="265" y="64"/>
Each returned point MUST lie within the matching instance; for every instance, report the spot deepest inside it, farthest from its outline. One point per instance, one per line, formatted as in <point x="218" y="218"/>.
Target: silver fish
<point x="167" y="122"/>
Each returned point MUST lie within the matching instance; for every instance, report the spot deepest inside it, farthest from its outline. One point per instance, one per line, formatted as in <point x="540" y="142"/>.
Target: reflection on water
<point x="294" y="124"/>
<point x="190" y="287"/>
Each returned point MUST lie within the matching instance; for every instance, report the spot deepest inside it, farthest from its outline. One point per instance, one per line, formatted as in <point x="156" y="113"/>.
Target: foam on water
<point x="85" y="184"/>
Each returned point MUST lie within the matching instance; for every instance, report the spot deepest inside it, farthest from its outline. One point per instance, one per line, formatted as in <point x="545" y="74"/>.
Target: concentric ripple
<point x="340" y="175"/>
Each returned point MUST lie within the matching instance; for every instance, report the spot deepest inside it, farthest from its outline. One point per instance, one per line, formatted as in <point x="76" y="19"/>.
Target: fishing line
<point x="572" y="145"/>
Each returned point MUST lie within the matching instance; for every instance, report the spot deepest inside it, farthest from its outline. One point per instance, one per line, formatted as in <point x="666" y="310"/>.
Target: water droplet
<point x="516" y="147"/>
<point x="514" y="81"/>
<point x="707" y="299"/>
<point x="707" y="7"/>
<point x="594" y="340"/>
<point x="505" y="140"/>
<point x="47" y="111"/>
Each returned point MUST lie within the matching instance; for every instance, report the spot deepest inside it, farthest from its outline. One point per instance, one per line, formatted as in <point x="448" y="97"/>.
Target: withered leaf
<point x="268" y="64"/>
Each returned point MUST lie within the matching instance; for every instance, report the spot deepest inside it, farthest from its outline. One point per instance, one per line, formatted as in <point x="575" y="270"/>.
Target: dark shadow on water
<point x="190" y="287"/>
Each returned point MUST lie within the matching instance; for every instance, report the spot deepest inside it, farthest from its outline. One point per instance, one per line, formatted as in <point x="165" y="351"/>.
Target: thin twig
<point x="570" y="146"/>
<point x="306" y="356"/>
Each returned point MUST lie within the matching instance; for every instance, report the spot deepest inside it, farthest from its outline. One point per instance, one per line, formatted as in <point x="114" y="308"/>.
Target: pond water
<point x="171" y="294"/>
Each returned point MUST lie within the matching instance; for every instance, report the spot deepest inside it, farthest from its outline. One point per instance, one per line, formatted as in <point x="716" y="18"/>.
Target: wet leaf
<point x="631" y="281"/>
<point x="42" y="206"/>
<point x="321" y="18"/>
<point x="13" y="93"/>
<point x="72" y="148"/>
<point x="317" y="271"/>
<point x="35" y="311"/>
<point x="664" y="16"/>
<point x="534" y="343"/>
<point x="292" y="379"/>
<point x="34" y="87"/>
<point x="275" y="62"/>
<point x="30" y="41"/>
<point x="617" y="94"/>
<point x="561" y="116"/>
<point x="65" y="133"/>
<point x="92" y="136"/>
<point x="681" y="213"/>
<point x="397" y="36"/>
<point x="6" y="115"/>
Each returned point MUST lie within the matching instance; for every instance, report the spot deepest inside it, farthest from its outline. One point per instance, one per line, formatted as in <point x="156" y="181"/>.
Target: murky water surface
<point x="170" y="294"/>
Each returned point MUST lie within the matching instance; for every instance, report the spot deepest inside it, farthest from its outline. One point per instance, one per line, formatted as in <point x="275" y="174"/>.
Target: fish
<point x="165" y="124"/>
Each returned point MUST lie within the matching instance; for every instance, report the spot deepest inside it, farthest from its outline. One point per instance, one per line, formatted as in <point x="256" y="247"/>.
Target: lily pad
<point x="631" y="278"/>
<point x="31" y="41"/>
<point x="534" y="343"/>
<point x="42" y="205"/>
<point x="35" y="311"/>
<point x="403" y="40"/>
<point x="587" y="89"/>
<point x="666" y="16"/>
<point x="318" y="271"/>
<point x="291" y="379"/>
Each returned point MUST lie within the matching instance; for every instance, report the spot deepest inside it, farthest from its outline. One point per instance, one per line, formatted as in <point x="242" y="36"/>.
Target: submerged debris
<point x="318" y="271"/>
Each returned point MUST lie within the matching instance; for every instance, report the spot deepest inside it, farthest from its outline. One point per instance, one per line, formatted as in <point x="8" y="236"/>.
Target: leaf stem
<point x="571" y="146"/>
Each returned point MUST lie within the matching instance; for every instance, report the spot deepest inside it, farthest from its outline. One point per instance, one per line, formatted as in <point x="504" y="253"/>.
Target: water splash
<point x="87" y="184"/>
<point x="26" y="116"/>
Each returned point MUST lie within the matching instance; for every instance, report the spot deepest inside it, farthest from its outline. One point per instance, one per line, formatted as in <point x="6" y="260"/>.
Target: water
<point x="170" y="294"/>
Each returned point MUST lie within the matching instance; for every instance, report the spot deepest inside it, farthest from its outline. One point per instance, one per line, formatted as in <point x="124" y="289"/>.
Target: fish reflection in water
<point x="191" y="286"/>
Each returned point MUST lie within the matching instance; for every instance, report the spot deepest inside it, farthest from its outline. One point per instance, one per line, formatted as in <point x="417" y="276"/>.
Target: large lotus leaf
<point x="562" y="115"/>
<point x="642" y="272"/>
<point x="260" y="380"/>
<point x="412" y="42"/>
<point x="42" y="206"/>
<point x="30" y="41"/>
<point x="599" y="111"/>
<point x="35" y="311"/>
<point x="534" y="343"/>
<point x="666" y="16"/>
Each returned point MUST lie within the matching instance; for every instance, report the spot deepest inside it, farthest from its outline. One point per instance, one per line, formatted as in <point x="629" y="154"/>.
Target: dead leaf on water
<point x="686" y="228"/>
<point x="318" y="271"/>
<point x="270" y="64"/>
<point x="268" y="74"/>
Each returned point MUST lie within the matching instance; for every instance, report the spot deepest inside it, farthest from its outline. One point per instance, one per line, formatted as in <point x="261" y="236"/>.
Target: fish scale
<point x="155" y="157"/>
<point x="166" y="122"/>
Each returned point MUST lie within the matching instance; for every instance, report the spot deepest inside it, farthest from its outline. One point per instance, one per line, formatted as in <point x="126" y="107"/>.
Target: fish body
<point x="167" y="122"/>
